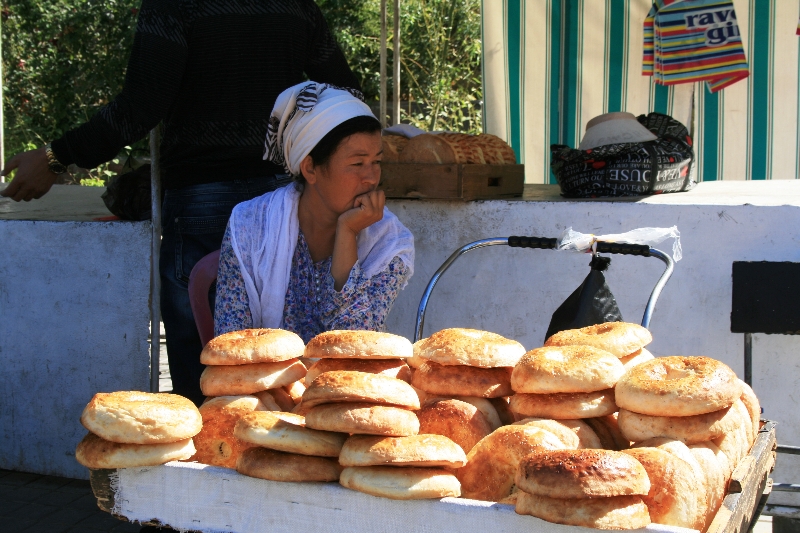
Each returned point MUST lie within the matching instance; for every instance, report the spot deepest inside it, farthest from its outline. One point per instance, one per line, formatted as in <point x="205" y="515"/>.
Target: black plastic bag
<point x="629" y="169"/>
<point x="128" y="195"/>
<point x="591" y="303"/>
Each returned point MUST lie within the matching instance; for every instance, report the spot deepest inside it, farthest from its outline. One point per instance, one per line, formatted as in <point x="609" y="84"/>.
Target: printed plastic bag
<point x="629" y="169"/>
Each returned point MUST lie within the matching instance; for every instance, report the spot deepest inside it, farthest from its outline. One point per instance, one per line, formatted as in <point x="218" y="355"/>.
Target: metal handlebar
<point x="546" y="243"/>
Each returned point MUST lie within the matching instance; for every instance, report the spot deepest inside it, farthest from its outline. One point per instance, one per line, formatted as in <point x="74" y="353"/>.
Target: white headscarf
<point x="303" y="115"/>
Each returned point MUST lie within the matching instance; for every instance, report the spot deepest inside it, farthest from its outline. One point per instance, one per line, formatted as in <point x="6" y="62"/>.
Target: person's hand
<point x="33" y="178"/>
<point x="367" y="210"/>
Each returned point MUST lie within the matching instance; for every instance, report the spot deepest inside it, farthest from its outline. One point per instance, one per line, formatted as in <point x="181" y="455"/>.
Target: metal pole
<point x="396" y="64"/>
<point x="382" y="111"/>
<point x="748" y="358"/>
<point x="155" y="254"/>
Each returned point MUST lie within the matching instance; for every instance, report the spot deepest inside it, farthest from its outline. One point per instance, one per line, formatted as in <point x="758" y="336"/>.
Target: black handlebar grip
<point x="532" y="242"/>
<point x="623" y="248"/>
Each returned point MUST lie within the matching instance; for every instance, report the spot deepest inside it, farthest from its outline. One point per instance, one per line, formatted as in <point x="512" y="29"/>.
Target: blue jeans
<point x="194" y="221"/>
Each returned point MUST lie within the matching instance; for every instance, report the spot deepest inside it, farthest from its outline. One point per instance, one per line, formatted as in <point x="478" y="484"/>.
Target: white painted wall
<point x="74" y="320"/>
<point x="514" y="292"/>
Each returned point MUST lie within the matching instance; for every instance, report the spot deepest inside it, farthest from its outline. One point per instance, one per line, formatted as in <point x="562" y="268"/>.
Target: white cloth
<point x="303" y="115"/>
<point x="265" y="229"/>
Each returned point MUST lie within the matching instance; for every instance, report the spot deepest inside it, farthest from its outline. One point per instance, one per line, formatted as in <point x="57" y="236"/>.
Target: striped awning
<point x="552" y="65"/>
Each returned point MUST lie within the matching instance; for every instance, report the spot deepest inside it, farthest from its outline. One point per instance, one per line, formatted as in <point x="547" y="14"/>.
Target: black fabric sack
<point x="626" y="169"/>
<point x="128" y="195"/>
<point x="591" y="303"/>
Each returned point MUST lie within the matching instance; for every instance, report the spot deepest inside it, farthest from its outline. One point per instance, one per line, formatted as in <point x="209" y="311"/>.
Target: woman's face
<point x="353" y="169"/>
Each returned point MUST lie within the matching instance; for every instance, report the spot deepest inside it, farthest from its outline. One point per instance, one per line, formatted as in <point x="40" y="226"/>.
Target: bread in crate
<point x="448" y="149"/>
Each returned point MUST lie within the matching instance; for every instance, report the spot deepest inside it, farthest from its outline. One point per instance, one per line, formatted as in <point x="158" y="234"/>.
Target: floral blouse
<point x="312" y="305"/>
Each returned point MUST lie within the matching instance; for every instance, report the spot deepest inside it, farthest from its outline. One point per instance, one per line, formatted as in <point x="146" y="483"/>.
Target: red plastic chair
<point x="202" y="276"/>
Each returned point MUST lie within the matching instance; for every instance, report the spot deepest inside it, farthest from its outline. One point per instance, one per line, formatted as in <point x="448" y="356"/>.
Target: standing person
<point x="210" y="71"/>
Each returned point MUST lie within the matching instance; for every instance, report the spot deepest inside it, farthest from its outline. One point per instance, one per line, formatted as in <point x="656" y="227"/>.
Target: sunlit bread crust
<point x="401" y="483"/>
<point x="366" y="344"/>
<point x="678" y="386"/>
<point x="636" y="358"/>
<point x="619" y="338"/>
<point x="672" y="499"/>
<point x="702" y="491"/>
<point x="249" y="346"/>
<point x="216" y="444"/>
<point x="607" y="429"/>
<point x="280" y="466"/>
<point x="580" y="474"/>
<point x="568" y="405"/>
<point x="352" y="386"/>
<point x="715" y="481"/>
<point x="232" y="380"/>
<point x="457" y="380"/>
<point x="485" y="406"/>
<point x="687" y="429"/>
<point x="286" y="432"/>
<point x="618" y="512"/>
<point x="750" y="401"/>
<point x="722" y="459"/>
<point x="278" y="397"/>
<point x="492" y="463"/>
<point x="95" y="452"/>
<point x="566" y="369"/>
<point x="395" y="368"/>
<point x="469" y="347"/>
<point x="587" y="437"/>
<point x="568" y="437"/>
<point x="461" y="422"/>
<point x="135" y="417"/>
<point x="414" y="450"/>
<point x="363" y="419"/>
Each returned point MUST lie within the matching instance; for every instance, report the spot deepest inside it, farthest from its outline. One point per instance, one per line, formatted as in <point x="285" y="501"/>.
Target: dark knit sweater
<point x="211" y="71"/>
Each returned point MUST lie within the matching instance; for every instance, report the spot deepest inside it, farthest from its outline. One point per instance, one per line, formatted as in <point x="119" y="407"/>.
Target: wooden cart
<point x="211" y="499"/>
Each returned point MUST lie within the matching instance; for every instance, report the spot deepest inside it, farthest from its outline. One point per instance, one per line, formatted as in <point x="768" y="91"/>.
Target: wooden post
<point x="382" y="105"/>
<point x="155" y="254"/>
<point x="2" y="122"/>
<point x="396" y="65"/>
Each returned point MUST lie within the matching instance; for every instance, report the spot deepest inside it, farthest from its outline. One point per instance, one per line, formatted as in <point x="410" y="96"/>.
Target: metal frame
<point x="155" y="255"/>
<point x="546" y="244"/>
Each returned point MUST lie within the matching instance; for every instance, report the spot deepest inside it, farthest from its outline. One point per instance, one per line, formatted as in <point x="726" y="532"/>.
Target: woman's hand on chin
<point x="367" y="210"/>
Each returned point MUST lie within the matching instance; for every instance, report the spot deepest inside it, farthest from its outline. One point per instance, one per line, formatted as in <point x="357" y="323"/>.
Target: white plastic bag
<point x="581" y="242"/>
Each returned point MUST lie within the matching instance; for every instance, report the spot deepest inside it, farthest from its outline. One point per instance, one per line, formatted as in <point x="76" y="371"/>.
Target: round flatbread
<point x="233" y="380"/>
<point x="555" y="369"/>
<point x="363" y="419"/>
<point x="414" y="450"/>
<point x="279" y="466"/>
<point x="469" y="347"/>
<point x="249" y="346"/>
<point x="457" y="380"/>
<point x="94" y="452"/>
<point x="567" y="405"/>
<point x="286" y="432"/>
<point x="619" y="338"/>
<point x="361" y="344"/>
<point x="401" y="483"/>
<point x="351" y="386"/>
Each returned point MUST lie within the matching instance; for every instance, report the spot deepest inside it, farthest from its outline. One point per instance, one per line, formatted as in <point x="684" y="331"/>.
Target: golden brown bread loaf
<point x="619" y="338"/>
<point x="395" y="368"/>
<point x="587" y="436"/>
<point x="485" y="406"/>
<point x="461" y="422"/>
<point x="352" y="386"/>
<point x="715" y="481"/>
<point x="94" y="452"/>
<point x="249" y="346"/>
<point x="295" y="390"/>
<point x="567" y="405"/>
<point x="721" y="458"/>
<point x="678" y="386"/>
<point x="280" y="466"/>
<point x="363" y="419"/>
<point x="431" y="148"/>
<point x="618" y="512"/>
<point x="393" y="145"/>
<point x="359" y="344"/>
<point x="231" y="380"/>
<point x="216" y="444"/>
<point x="279" y="396"/>
<point x="267" y="399"/>
<point x="458" y="380"/>
<point x="566" y="435"/>
<point x="687" y="429"/>
<point x="672" y="499"/>
<point x="450" y="148"/>
<point x="414" y="450"/>
<point x="503" y="410"/>
<point x="636" y="358"/>
<point x="492" y="463"/>
<point x="469" y="347"/>
<point x="582" y="474"/>
<point x="556" y="369"/>
<point x="286" y="432"/>
<point x="401" y="483"/>
<point x="135" y="417"/>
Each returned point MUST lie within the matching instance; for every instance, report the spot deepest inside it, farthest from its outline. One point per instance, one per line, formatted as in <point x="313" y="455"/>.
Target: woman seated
<point x="322" y="253"/>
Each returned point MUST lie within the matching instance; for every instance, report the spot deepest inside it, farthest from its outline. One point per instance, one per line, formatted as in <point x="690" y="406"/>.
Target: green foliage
<point x="440" y="51"/>
<point x="62" y="60"/>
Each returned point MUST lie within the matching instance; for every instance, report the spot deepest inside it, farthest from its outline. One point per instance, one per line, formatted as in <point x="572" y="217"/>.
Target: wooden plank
<point x="420" y="181"/>
<point x="100" y="480"/>
<point x="739" y="508"/>
<point x="753" y="465"/>
<point x="492" y="181"/>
